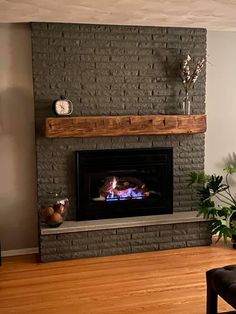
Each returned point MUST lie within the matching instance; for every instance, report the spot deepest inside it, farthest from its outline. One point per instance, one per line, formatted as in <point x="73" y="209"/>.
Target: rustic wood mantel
<point x="91" y="126"/>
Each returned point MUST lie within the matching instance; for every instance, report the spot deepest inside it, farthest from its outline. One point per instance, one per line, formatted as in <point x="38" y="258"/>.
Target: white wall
<point x="18" y="214"/>
<point x="221" y="100"/>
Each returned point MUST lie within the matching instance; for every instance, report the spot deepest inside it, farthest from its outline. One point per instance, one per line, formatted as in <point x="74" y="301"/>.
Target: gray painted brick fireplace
<point x="115" y="70"/>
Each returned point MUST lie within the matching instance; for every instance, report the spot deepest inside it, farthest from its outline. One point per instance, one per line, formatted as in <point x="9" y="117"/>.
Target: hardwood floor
<point x="163" y="282"/>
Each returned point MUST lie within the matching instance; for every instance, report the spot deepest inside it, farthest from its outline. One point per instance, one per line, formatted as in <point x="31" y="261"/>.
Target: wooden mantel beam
<point x="92" y="126"/>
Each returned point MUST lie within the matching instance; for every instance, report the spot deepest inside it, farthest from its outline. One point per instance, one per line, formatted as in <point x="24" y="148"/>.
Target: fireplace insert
<point x="123" y="183"/>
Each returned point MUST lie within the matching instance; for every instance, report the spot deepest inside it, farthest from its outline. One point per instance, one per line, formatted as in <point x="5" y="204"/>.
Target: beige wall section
<point x="18" y="217"/>
<point x="221" y="101"/>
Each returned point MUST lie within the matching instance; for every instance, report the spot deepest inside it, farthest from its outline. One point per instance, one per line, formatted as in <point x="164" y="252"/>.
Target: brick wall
<point x="114" y="70"/>
<point x="123" y="241"/>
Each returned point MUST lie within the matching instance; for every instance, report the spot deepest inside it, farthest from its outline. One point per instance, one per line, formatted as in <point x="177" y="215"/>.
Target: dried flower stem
<point x="188" y="78"/>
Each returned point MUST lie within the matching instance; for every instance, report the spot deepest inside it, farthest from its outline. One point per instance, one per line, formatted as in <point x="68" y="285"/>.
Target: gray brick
<point x="139" y="242"/>
<point x="138" y="51"/>
<point x="55" y="244"/>
<point x="109" y="36"/>
<point x="154" y="240"/>
<point x="88" y="240"/>
<point x="153" y="30"/>
<point x="185" y="237"/>
<point x="165" y="239"/>
<point x="165" y="227"/>
<point x="109" y="51"/>
<point x="153" y="228"/>
<point x="50" y="250"/>
<point x="39" y="34"/>
<point x="184" y="31"/>
<point x="78" y="248"/>
<point x="92" y="234"/>
<point x="69" y="27"/>
<point x="84" y="254"/>
<point x="144" y="235"/>
<point x="130" y="230"/>
<point x="78" y="35"/>
<point x="125" y="29"/>
<point x="115" y="251"/>
<point x="174" y="45"/>
<point x="193" y="230"/>
<point x="153" y="45"/>
<point x="166" y="233"/>
<point x="64" y="250"/>
<point x="145" y="248"/>
<point x="186" y="226"/>
<point x="179" y="232"/>
<point x="71" y="236"/>
<point x="55" y="257"/>
<point x="48" y="238"/>
<point x="117" y="237"/>
<point x="174" y="245"/>
<point x="102" y="245"/>
<point x="199" y="242"/>
<point x="39" y="26"/>
<point x="138" y="37"/>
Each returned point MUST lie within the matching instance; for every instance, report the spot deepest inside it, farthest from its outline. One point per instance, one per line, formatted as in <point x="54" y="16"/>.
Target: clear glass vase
<point x="186" y="104"/>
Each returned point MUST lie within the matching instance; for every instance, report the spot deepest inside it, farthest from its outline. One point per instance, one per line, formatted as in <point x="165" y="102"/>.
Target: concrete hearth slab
<point x="77" y="226"/>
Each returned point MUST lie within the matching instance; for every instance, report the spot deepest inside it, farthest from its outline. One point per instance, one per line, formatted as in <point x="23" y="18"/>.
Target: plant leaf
<point x="230" y="168"/>
<point x="198" y="178"/>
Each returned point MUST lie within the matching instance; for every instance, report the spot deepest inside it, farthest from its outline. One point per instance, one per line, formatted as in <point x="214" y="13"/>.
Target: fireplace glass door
<point x="124" y="183"/>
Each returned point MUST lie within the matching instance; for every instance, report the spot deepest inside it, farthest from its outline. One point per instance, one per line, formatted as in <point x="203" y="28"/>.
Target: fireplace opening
<point x="124" y="183"/>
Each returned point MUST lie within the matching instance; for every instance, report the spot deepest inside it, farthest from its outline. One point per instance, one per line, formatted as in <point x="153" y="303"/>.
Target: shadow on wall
<point x="229" y="159"/>
<point x="18" y="214"/>
<point x="170" y="68"/>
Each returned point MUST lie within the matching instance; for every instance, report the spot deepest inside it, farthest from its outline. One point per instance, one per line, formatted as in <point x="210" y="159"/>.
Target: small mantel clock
<point x="62" y="107"/>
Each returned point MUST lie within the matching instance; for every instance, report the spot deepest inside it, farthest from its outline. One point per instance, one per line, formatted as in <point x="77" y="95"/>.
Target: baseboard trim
<point x="31" y="250"/>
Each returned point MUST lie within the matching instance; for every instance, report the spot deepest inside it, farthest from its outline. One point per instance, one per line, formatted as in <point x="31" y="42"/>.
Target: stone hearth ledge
<point x="102" y="224"/>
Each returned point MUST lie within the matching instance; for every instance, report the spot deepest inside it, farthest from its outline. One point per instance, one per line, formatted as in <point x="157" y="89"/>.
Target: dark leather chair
<point x="222" y="282"/>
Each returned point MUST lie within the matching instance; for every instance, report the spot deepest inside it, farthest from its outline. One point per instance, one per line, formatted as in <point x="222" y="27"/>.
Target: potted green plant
<point x="217" y="202"/>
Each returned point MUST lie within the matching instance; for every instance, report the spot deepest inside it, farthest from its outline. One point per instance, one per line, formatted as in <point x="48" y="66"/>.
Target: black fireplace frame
<point x="103" y="210"/>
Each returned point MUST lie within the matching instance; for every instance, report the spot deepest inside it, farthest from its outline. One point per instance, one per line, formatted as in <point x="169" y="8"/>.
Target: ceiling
<point x="211" y="14"/>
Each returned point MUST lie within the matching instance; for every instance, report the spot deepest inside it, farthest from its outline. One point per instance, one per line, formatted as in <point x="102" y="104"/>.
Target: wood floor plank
<point x="163" y="282"/>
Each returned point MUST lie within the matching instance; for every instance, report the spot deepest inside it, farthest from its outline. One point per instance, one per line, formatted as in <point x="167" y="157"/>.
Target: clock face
<point x="63" y="107"/>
